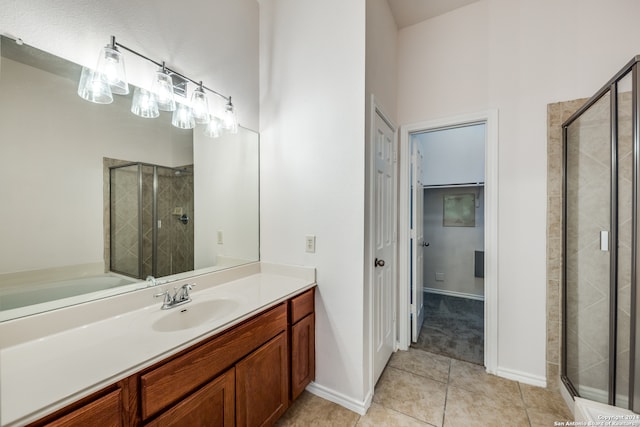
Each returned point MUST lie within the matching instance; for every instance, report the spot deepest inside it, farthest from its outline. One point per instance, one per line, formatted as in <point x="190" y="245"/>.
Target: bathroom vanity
<point x="238" y="354"/>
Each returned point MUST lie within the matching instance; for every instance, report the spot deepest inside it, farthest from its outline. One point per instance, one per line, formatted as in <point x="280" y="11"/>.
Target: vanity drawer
<point x="105" y="411"/>
<point x="302" y="305"/>
<point x="175" y="379"/>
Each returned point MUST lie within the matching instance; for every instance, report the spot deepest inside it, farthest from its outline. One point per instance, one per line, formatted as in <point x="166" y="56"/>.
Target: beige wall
<point x="516" y="57"/>
<point x="451" y="250"/>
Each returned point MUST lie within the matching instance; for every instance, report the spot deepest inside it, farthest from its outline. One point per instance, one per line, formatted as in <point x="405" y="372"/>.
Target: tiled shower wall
<point x="556" y="115"/>
<point x="594" y="297"/>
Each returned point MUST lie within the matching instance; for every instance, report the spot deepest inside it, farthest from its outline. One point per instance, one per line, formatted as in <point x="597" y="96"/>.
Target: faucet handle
<point x="166" y="295"/>
<point x="161" y="294"/>
<point x="183" y="293"/>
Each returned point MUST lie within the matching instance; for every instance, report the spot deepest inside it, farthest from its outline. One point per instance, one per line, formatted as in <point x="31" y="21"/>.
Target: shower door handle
<point x="604" y="241"/>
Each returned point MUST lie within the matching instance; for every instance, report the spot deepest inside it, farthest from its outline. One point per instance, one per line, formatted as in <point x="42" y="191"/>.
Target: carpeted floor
<point x="453" y="327"/>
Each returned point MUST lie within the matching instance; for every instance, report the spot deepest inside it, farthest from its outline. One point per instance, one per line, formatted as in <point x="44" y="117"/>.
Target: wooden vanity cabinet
<point x="245" y="376"/>
<point x="303" y="347"/>
<point x="212" y="405"/>
<point x="99" y="409"/>
<point x="171" y="380"/>
<point x="262" y="384"/>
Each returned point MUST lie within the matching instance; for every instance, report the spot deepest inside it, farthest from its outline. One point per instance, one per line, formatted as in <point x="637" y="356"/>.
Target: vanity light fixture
<point x="214" y="127"/>
<point x="182" y="117"/>
<point x="163" y="88"/>
<point x="200" y="106"/>
<point x="109" y="78"/>
<point x="111" y="65"/>
<point x="230" y="119"/>
<point x="94" y="87"/>
<point x="144" y="104"/>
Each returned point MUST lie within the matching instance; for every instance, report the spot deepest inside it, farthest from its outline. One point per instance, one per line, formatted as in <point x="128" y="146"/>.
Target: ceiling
<point x="409" y="12"/>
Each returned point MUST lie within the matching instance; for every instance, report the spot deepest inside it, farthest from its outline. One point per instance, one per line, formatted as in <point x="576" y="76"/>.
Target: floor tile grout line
<point x="524" y="404"/>
<point x="417" y="375"/>
<point x="446" y="394"/>
<point x="406" y="415"/>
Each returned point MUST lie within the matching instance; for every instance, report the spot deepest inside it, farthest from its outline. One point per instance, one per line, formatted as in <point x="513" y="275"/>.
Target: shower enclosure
<point x="151" y="220"/>
<point x="600" y="360"/>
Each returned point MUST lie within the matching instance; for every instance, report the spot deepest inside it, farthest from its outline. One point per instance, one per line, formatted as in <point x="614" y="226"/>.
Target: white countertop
<point x="46" y="373"/>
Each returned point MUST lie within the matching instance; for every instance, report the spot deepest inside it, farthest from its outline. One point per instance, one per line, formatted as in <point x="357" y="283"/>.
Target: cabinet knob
<point x="378" y="263"/>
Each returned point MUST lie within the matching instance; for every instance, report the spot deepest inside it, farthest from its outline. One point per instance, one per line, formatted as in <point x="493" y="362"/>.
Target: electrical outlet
<point x="310" y="243"/>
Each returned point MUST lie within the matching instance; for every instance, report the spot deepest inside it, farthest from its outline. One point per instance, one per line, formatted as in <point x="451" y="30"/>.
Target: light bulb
<point x="182" y="117"/>
<point x="230" y="121"/>
<point x="144" y="104"/>
<point x="163" y="88"/>
<point x="213" y="128"/>
<point x="200" y="106"/>
<point x="111" y="65"/>
<point x="93" y="87"/>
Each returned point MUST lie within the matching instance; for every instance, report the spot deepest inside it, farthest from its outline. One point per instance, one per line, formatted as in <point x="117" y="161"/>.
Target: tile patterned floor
<point x="419" y="388"/>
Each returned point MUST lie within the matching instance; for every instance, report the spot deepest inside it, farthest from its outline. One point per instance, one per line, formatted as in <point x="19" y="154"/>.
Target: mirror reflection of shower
<point x="150" y="219"/>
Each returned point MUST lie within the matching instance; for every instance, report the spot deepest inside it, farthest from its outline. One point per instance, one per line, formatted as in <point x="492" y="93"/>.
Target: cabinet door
<point x="303" y="355"/>
<point x="262" y="384"/>
<point x="105" y="411"/>
<point x="213" y="405"/>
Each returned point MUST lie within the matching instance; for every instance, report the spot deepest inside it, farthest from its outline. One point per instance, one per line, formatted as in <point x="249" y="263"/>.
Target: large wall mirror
<point x="95" y="199"/>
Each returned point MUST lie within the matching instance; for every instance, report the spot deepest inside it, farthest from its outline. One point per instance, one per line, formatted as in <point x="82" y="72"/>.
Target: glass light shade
<point x="162" y="87"/>
<point x="200" y="106"/>
<point x="144" y="104"/>
<point x="111" y="64"/>
<point x="93" y="87"/>
<point x="182" y="117"/>
<point x="214" y="127"/>
<point x="230" y="121"/>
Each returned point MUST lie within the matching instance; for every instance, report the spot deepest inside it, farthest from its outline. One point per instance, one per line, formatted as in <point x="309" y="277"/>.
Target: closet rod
<point x="468" y="184"/>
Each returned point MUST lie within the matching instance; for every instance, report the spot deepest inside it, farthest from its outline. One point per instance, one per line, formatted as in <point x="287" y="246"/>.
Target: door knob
<point x="425" y="244"/>
<point x="378" y="263"/>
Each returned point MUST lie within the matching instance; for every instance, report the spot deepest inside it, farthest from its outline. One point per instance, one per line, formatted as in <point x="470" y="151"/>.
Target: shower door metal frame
<point x="140" y="212"/>
<point x="610" y="87"/>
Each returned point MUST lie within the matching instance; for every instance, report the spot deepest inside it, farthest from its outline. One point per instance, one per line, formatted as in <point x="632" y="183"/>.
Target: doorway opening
<point x="448" y="216"/>
<point x="450" y="189"/>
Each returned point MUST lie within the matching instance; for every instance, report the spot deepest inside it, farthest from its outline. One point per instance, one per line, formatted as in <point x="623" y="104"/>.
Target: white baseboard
<point x="523" y="377"/>
<point x="453" y="293"/>
<point x="339" y="398"/>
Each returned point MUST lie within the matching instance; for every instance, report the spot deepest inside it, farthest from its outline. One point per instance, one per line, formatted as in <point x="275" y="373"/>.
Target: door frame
<point x="376" y="109"/>
<point x="490" y="118"/>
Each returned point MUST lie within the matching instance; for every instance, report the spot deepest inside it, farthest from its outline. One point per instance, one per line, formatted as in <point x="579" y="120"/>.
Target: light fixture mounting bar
<point x="162" y="65"/>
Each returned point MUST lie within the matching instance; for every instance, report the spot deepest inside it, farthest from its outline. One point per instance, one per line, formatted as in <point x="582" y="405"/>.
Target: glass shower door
<point x="588" y="251"/>
<point x="125" y="220"/>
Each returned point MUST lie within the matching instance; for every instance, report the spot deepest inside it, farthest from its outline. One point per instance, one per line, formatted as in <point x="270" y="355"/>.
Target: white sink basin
<point x="194" y="314"/>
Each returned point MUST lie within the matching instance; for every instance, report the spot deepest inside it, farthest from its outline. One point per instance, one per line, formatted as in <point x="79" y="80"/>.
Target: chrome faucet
<point x="180" y="296"/>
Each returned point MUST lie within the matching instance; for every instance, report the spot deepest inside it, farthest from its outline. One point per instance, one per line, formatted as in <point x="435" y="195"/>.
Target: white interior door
<point x="417" y="243"/>
<point x="384" y="239"/>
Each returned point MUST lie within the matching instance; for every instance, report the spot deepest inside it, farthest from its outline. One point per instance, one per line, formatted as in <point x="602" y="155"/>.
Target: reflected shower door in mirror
<point x="54" y="225"/>
<point x="150" y="219"/>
